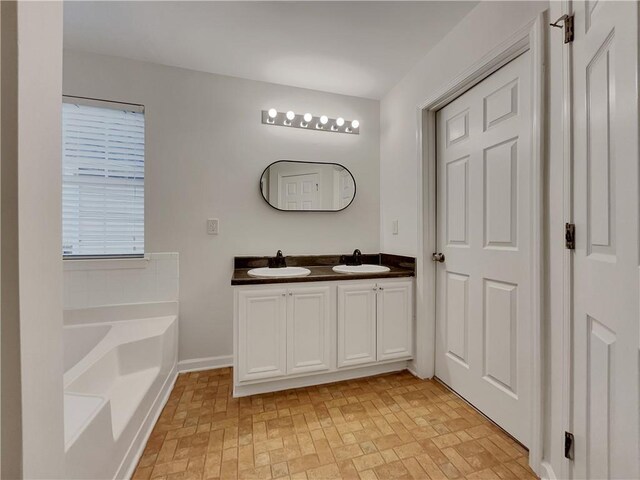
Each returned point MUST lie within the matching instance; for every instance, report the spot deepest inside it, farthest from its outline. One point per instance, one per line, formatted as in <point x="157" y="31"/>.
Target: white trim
<point x="529" y="38"/>
<point x="96" y="102"/>
<point x="105" y="263"/>
<point x="567" y="258"/>
<point x="411" y="368"/>
<point x="136" y="449"/>
<point x="207" y="363"/>
<point x="317" y="379"/>
<point x="546" y="471"/>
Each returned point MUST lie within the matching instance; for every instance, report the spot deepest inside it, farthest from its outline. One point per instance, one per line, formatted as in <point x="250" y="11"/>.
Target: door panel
<point x="395" y="320"/>
<point x="483" y="324"/>
<point x="300" y="192"/>
<point x="606" y="276"/>
<point x="262" y="334"/>
<point x="308" y="336"/>
<point x="356" y="324"/>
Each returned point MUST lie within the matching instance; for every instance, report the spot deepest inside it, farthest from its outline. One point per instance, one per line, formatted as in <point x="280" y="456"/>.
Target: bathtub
<point x="119" y="371"/>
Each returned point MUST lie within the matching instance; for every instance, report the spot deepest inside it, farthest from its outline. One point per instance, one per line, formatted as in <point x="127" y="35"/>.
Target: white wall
<point x="95" y="283"/>
<point x="205" y="151"/>
<point x="33" y="186"/>
<point x="486" y="26"/>
<point x="482" y="29"/>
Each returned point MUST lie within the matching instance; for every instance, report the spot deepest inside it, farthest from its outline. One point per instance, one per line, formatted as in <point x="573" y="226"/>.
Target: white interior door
<point x="606" y="275"/>
<point x="346" y="189"/>
<point x="300" y="192"/>
<point x="483" y="321"/>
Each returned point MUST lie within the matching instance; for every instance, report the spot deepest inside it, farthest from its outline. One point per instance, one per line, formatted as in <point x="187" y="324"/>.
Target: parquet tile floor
<point x="383" y="427"/>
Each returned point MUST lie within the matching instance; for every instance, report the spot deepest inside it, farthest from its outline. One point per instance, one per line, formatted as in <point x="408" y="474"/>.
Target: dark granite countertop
<point x="321" y="268"/>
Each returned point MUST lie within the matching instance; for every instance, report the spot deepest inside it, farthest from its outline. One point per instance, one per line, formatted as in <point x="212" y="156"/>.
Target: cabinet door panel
<point x="356" y="324"/>
<point x="308" y="329"/>
<point x="262" y="334"/>
<point x="395" y="320"/>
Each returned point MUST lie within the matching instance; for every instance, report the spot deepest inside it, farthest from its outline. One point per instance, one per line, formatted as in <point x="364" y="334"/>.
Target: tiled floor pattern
<point x="384" y="427"/>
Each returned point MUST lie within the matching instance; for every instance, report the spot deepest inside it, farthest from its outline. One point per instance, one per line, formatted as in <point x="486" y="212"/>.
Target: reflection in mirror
<point x="311" y="186"/>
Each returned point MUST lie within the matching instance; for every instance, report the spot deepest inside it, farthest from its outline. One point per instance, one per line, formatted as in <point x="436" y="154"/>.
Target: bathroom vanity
<point x="322" y="327"/>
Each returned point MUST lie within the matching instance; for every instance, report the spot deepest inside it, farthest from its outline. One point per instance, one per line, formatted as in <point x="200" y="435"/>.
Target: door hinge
<point x="570" y="236"/>
<point x="567" y="26"/>
<point x="568" y="445"/>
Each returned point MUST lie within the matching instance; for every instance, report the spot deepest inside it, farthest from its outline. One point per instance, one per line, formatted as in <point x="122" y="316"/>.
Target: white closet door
<point x="606" y="275"/>
<point x="483" y="322"/>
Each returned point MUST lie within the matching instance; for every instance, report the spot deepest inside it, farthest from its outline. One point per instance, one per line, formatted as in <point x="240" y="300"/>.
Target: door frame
<point x="529" y="38"/>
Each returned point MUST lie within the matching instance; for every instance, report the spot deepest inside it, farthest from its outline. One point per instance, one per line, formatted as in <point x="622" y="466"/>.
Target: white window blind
<point x="102" y="178"/>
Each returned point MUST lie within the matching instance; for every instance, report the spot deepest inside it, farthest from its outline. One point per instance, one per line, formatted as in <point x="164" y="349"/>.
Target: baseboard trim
<point x="546" y="472"/>
<point x="136" y="449"/>
<point x="317" y="379"/>
<point x="413" y="370"/>
<point x="208" y="363"/>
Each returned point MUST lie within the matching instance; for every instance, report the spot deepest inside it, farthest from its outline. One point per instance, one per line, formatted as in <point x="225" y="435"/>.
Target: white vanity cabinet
<point x="394" y="319"/>
<point x="297" y="334"/>
<point x="356" y="323"/>
<point x="375" y="322"/>
<point x="283" y="331"/>
<point x="308" y="329"/>
<point x="262" y="329"/>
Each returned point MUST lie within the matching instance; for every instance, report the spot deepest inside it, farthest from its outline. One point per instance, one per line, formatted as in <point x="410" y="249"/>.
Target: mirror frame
<point x="355" y="187"/>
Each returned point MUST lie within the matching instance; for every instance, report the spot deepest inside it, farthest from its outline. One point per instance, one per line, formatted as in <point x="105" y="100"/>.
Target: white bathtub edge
<point x="136" y="449"/>
<point x="207" y="363"/>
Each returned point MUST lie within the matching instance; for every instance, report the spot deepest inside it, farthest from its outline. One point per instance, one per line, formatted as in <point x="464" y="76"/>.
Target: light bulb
<point x="340" y="121"/>
<point x="355" y="123"/>
<point x="308" y="117"/>
<point x="273" y="113"/>
<point x="290" y="115"/>
<point x="324" y="119"/>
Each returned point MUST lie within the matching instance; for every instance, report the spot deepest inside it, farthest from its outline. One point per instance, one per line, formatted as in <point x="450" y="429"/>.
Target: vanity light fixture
<point x="323" y="121"/>
<point x="338" y="123"/>
<point x="320" y="122"/>
<point x="305" y="120"/>
<point x="290" y="116"/>
<point x="272" y="114"/>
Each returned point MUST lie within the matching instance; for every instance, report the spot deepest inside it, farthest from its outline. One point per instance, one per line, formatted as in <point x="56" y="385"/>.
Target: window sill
<point x="105" y="263"/>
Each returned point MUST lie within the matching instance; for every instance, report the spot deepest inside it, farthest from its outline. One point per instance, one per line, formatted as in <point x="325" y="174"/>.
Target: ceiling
<point x="354" y="48"/>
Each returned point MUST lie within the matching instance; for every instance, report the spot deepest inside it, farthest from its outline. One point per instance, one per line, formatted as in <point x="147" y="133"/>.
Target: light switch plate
<point x="394" y="227"/>
<point x="212" y="226"/>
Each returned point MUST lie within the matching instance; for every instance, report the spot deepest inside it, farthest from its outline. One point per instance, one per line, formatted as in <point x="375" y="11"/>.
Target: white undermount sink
<point x="279" y="272"/>
<point x="360" y="268"/>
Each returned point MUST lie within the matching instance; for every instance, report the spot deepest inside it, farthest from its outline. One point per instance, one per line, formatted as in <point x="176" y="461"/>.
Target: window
<point x="102" y="179"/>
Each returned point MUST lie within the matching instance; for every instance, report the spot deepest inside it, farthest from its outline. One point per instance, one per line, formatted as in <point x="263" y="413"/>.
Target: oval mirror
<point x="309" y="186"/>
